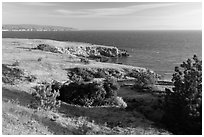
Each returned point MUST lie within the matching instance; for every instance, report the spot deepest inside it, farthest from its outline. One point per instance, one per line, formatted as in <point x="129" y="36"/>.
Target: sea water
<point x="160" y="51"/>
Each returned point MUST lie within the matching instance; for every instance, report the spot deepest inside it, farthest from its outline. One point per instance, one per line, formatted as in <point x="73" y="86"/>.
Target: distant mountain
<point x="29" y="27"/>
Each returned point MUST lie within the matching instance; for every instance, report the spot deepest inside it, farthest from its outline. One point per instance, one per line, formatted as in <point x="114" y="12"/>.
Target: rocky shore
<point x="91" y="51"/>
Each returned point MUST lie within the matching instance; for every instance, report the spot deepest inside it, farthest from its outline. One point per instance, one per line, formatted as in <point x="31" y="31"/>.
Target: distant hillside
<point x="28" y="27"/>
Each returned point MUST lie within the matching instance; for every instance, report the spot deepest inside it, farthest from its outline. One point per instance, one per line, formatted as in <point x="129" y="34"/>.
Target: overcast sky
<point x="106" y="16"/>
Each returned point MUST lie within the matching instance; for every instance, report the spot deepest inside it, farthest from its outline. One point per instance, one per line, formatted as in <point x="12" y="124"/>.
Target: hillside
<point x="27" y="63"/>
<point x="30" y="27"/>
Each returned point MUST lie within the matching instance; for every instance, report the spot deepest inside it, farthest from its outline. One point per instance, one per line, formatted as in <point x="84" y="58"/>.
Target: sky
<point x="106" y="15"/>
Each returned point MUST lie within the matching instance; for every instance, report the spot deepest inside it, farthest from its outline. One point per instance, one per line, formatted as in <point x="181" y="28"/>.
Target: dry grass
<point x="18" y="118"/>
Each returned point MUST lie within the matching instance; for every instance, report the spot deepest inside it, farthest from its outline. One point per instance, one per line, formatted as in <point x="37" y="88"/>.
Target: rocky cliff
<point x="87" y="50"/>
<point x="96" y="50"/>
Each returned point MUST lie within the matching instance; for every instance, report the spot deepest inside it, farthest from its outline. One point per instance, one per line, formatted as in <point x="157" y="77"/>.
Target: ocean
<point x="160" y="51"/>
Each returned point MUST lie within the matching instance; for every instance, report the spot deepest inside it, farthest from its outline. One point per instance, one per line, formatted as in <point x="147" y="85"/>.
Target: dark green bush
<point x="90" y="94"/>
<point x="183" y="105"/>
<point x="47" y="47"/>
<point x="143" y="80"/>
<point x="80" y="74"/>
<point x="39" y="59"/>
<point x="85" y="94"/>
<point x="88" y="74"/>
<point x="111" y="86"/>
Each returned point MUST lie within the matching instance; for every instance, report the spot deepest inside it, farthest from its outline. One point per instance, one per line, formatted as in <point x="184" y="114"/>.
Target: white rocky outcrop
<point x="84" y="50"/>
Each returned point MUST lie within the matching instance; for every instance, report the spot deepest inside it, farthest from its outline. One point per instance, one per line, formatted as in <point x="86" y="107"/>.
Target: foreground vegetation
<point x="52" y="93"/>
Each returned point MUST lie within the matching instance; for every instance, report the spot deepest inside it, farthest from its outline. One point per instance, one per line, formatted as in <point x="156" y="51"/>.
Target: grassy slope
<point x="18" y="118"/>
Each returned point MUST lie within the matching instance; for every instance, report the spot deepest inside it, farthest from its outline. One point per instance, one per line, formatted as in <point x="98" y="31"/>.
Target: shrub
<point x="100" y="73"/>
<point x="39" y="59"/>
<point x="46" y="47"/>
<point x="11" y="75"/>
<point x="80" y="93"/>
<point x="183" y="105"/>
<point x="90" y="94"/>
<point x="88" y="74"/>
<point x="80" y="74"/>
<point x="85" y="61"/>
<point x="47" y="95"/>
<point x="143" y="80"/>
<point x="111" y="86"/>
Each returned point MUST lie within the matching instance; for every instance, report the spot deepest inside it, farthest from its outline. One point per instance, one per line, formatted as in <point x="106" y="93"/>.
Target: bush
<point x="80" y="74"/>
<point x="46" y="47"/>
<point x="90" y="94"/>
<point x="100" y="73"/>
<point x="39" y="59"/>
<point x="11" y="75"/>
<point x="183" y="105"/>
<point x="88" y="74"/>
<point x="47" y="95"/>
<point x="111" y="86"/>
<point x="143" y="80"/>
<point x="85" y="61"/>
<point x="80" y="93"/>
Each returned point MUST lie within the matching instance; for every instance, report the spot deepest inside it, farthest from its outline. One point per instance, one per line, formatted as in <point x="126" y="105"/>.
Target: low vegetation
<point x="46" y="96"/>
<point x="143" y="80"/>
<point x="97" y="93"/>
<point x="39" y="59"/>
<point x="49" y="48"/>
<point x="11" y="75"/>
<point x="85" y="60"/>
<point x="87" y="103"/>
<point x="88" y="74"/>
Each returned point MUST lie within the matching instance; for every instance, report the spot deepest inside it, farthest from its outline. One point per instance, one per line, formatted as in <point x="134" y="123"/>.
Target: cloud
<point x="111" y="11"/>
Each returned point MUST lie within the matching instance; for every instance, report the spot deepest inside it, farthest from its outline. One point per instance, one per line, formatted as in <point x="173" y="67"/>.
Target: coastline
<point x="162" y="55"/>
<point x="78" y="50"/>
<point x="66" y="55"/>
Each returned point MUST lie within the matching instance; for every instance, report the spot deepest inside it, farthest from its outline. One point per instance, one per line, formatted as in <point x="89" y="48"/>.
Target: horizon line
<point x="142" y="29"/>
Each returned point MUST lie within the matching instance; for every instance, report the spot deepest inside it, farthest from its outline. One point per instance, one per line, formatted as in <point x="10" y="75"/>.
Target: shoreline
<point x="33" y="43"/>
<point x="164" y="58"/>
